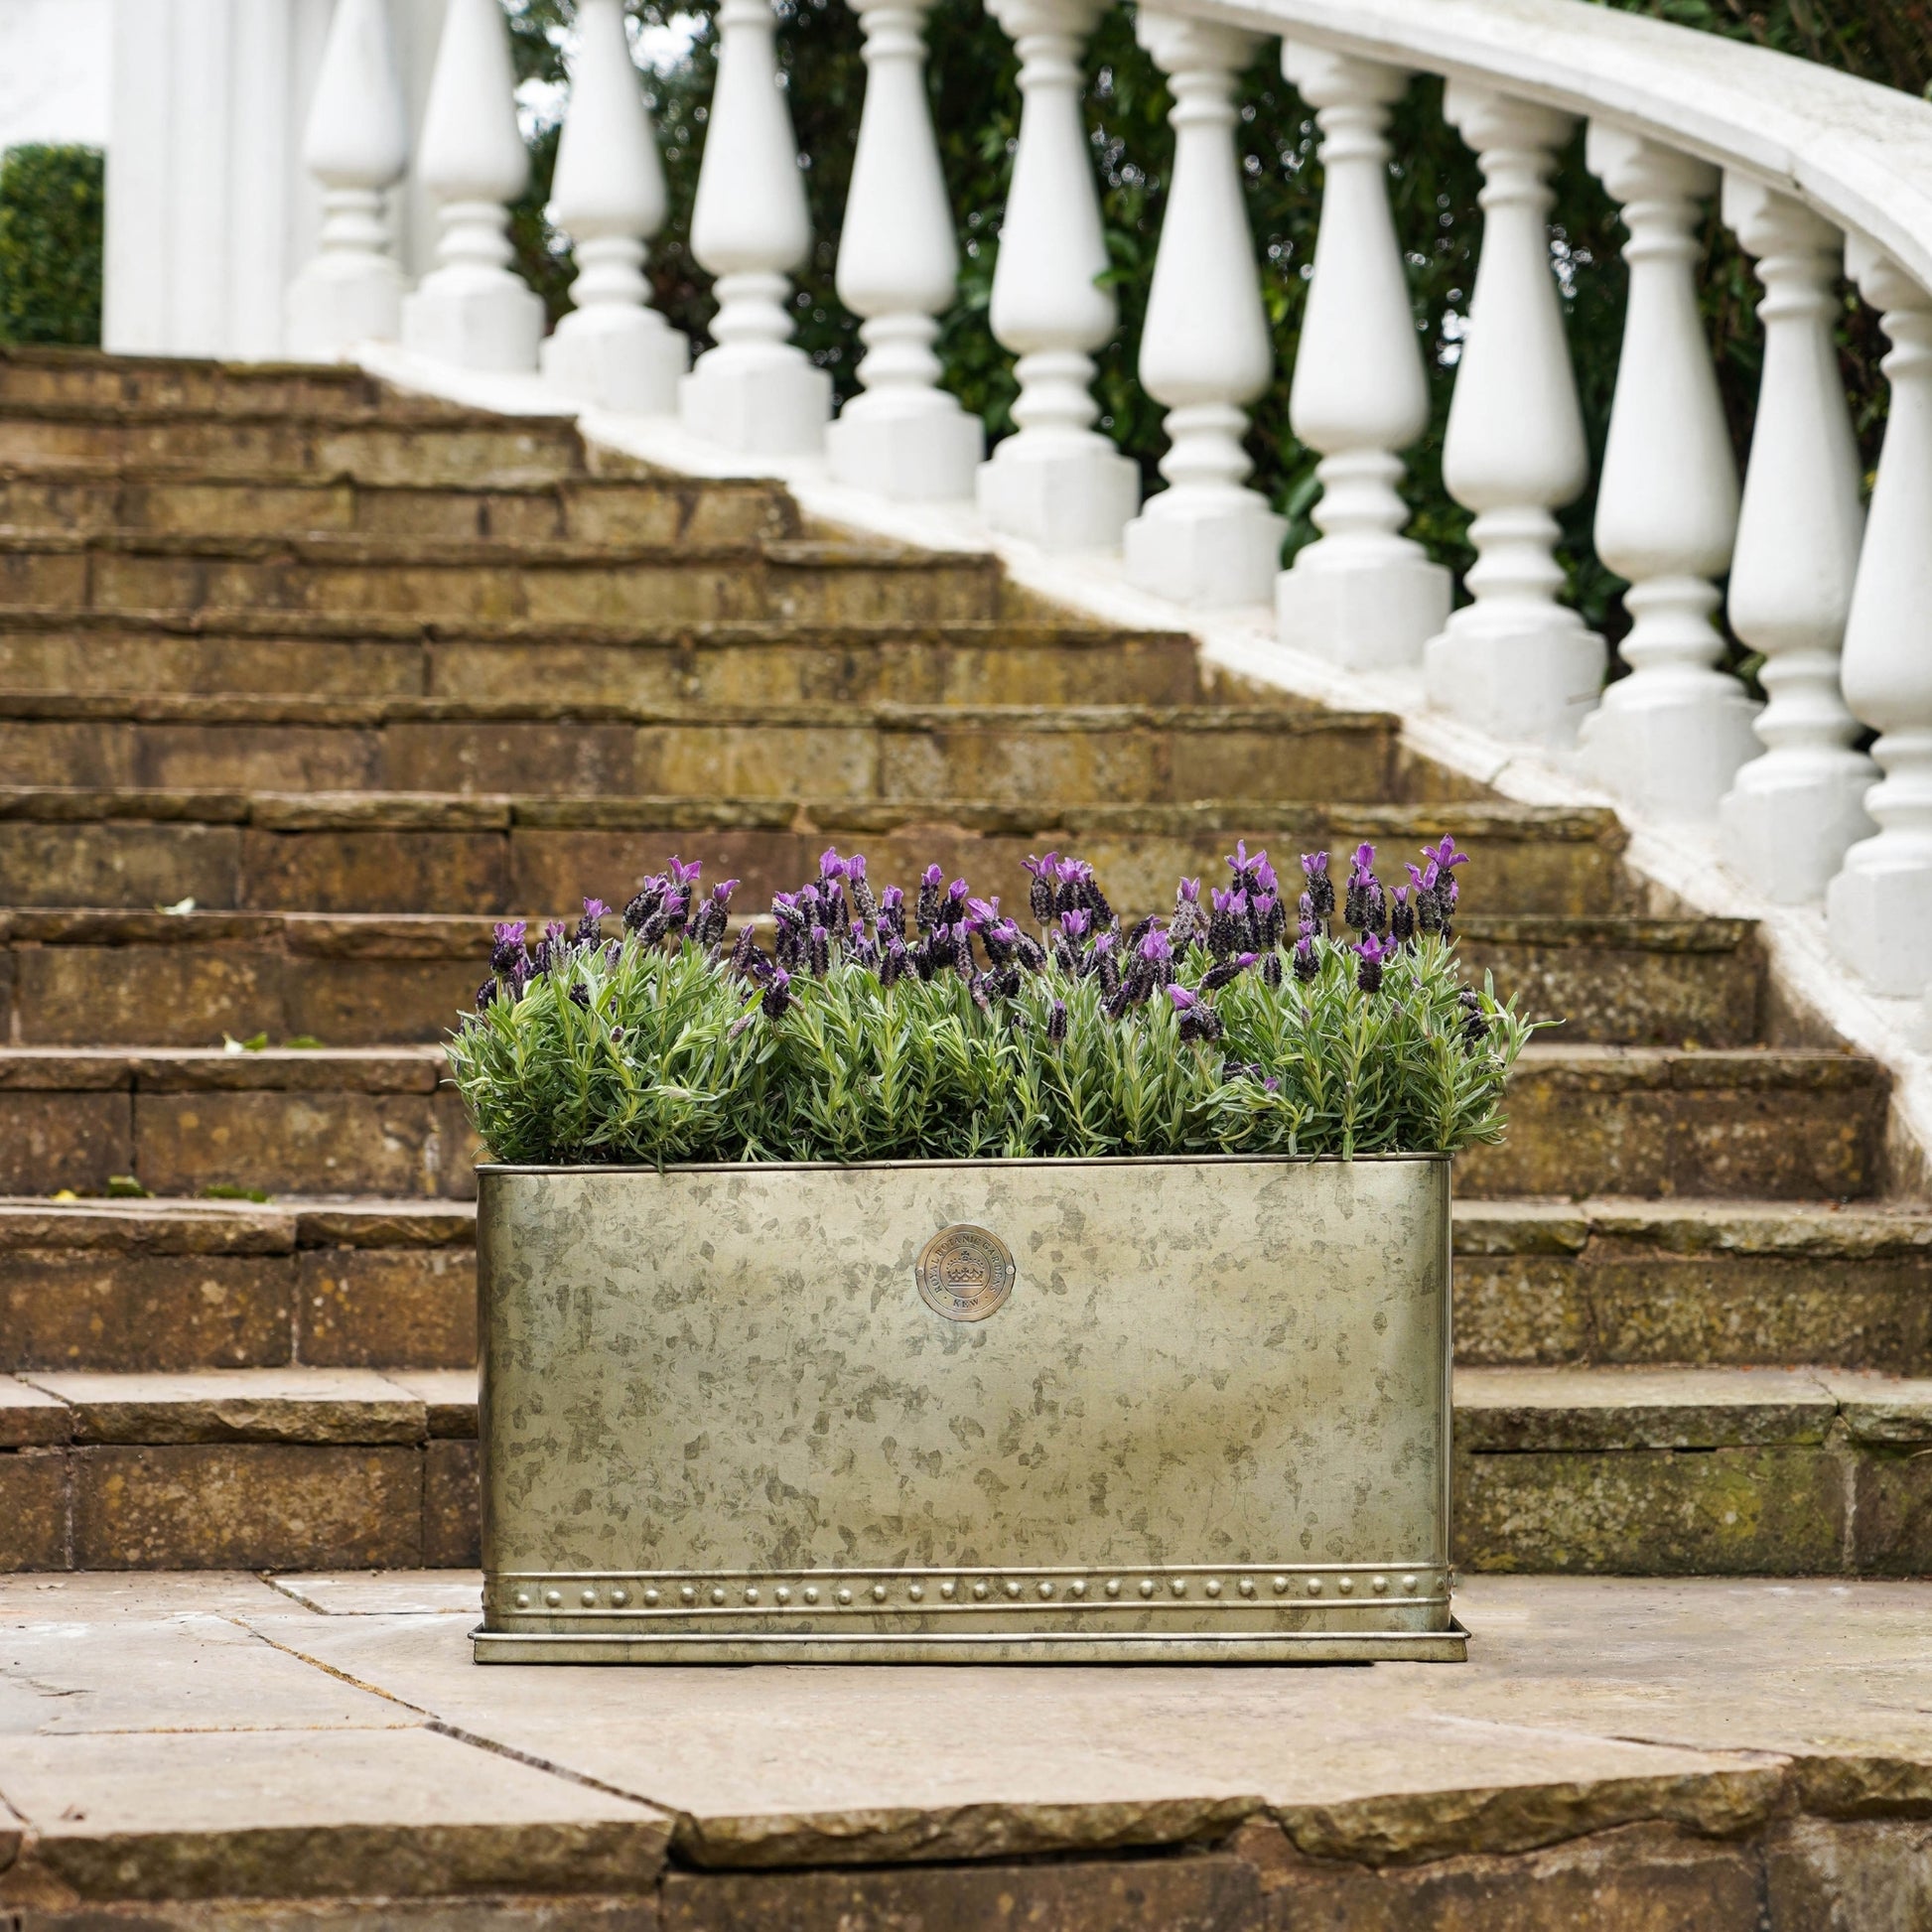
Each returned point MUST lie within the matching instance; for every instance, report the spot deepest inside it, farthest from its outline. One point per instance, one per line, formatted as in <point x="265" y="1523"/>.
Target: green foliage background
<point x="53" y="202"/>
<point x="1434" y="185"/>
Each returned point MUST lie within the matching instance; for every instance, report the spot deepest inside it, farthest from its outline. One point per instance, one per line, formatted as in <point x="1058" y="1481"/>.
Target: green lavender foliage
<point x="657" y="1067"/>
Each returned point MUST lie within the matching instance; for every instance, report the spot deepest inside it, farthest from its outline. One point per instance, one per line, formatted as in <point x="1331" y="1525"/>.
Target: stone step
<point x="121" y="1284"/>
<point x="806" y="581"/>
<point x="1705" y="1282"/>
<point x="185" y="1120"/>
<point x="627" y="510"/>
<point x="398" y="441"/>
<point x="155" y="1472"/>
<point x="414" y="854"/>
<point x="1664" y="1122"/>
<point x="273" y="654"/>
<point x="1767" y="1125"/>
<point x="1691" y="1472"/>
<point x="1039" y="756"/>
<point x="32" y="375"/>
<point x="260" y="1753"/>
<point x="80" y="977"/>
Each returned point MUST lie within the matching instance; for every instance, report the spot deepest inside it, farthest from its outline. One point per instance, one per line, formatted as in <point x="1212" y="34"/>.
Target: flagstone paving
<point x="320" y="1751"/>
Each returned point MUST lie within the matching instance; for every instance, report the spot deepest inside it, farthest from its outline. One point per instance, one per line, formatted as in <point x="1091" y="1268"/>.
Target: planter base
<point x="1450" y="1646"/>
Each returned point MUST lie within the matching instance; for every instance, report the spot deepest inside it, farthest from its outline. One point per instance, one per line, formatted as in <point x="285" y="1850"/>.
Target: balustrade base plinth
<point x="1079" y="497"/>
<point x="474" y="320"/>
<point x="626" y="361"/>
<point x="1214" y="556"/>
<point x="332" y="306"/>
<point x="1788" y="835"/>
<point x="778" y="407"/>
<point x="925" y="455"/>
<point x="1670" y="744"/>
<point x="1365" y="616"/>
<point x="1533" y="684"/>
<point x="1879" y="915"/>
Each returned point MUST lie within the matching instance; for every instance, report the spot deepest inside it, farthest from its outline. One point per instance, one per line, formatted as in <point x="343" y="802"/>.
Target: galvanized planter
<point x="1007" y="1410"/>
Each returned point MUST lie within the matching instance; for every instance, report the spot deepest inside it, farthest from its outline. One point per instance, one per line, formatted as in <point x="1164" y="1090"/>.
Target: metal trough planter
<point x="1008" y="1411"/>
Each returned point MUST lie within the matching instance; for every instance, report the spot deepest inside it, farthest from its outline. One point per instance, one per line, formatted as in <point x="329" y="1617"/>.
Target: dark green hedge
<point x="52" y="203"/>
<point x="1434" y="185"/>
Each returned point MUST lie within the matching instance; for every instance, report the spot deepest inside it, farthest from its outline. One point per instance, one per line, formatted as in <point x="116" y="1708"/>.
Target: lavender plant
<point x="862" y="1026"/>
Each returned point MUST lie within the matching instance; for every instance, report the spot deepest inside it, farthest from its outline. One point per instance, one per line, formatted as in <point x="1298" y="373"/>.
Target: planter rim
<point x="1028" y="1161"/>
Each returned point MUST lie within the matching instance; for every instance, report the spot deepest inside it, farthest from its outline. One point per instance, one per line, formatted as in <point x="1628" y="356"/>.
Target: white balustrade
<point x="902" y="437"/>
<point x="1879" y="910"/>
<point x="756" y="391"/>
<point x="1361" y="594"/>
<point x="470" y="309"/>
<point x="1205" y="352"/>
<point x="607" y="195"/>
<point x="1671" y="736"/>
<point x="1056" y="480"/>
<point x="356" y="145"/>
<point x="1514" y="662"/>
<point x="1791" y="813"/>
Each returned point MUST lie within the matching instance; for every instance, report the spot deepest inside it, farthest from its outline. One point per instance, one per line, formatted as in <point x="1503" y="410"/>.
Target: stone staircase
<point x="302" y="683"/>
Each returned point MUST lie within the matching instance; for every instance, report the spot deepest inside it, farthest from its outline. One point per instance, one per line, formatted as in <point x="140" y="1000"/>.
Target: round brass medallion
<point x="964" y="1273"/>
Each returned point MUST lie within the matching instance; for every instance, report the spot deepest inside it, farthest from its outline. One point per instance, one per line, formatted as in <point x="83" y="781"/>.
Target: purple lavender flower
<point x="1000" y="940"/>
<point x="1320" y="894"/>
<point x="891" y="912"/>
<point x="682" y="877"/>
<point x="1271" y="969"/>
<point x="830" y="865"/>
<point x="1075" y="922"/>
<point x="1033" y="955"/>
<point x="747" y="961"/>
<point x="818" y="952"/>
<point x="1184" y="1001"/>
<point x="1444" y="854"/>
<point x="892" y="967"/>
<point x="506" y="945"/>
<point x="1265" y="876"/>
<point x="1372" y="954"/>
<point x="776" y="997"/>
<point x="580" y="994"/>
<point x="864" y="901"/>
<point x="1042" y="894"/>
<point x="1306" y="965"/>
<point x="1156" y="948"/>
<point x="983" y="911"/>
<point x="1364" y="909"/>
<point x="928" y="907"/>
<point x="590" y="926"/>
<point x="1057" y="1022"/>
<point x="1402" y="916"/>
<point x="487" y="994"/>
<point x="1269" y="919"/>
<point x="1476" y="1024"/>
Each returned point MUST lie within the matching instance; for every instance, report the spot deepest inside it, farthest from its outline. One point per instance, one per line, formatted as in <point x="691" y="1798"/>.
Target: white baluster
<point x="356" y="146"/>
<point x="1361" y="594"/>
<point x="607" y="195"/>
<point x="1515" y="661"/>
<point x="903" y="436"/>
<point x="470" y="309"/>
<point x="1671" y="736"/>
<point x="1058" y="480"/>
<point x="1791" y="814"/>
<point x="757" y="390"/>
<point x="1204" y="348"/>
<point x="1879" y="908"/>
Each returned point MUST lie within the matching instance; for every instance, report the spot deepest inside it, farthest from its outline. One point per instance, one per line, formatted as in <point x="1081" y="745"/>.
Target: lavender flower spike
<point x="1184" y="1001"/>
<point x="506" y="945"/>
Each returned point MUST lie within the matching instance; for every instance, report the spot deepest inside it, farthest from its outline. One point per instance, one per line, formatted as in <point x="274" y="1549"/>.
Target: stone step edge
<point x="415" y="1068"/>
<point x="446" y="553"/>
<point x="284" y="1225"/>
<point x="388" y="409"/>
<point x="1498" y="1410"/>
<point x="109" y="474"/>
<point x="884" y="716"/>
<point x="1481" y="1228"/>
<point x="379" y="628"/>
<point x="464" y="935"/>
<point x="1584" y="825"/>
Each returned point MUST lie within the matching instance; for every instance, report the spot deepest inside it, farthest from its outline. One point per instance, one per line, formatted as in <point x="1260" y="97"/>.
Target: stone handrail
<point x="1813" y="170"/>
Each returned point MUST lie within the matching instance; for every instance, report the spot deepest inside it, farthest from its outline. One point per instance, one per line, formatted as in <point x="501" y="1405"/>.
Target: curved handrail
<point x="1861" y="154"/>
